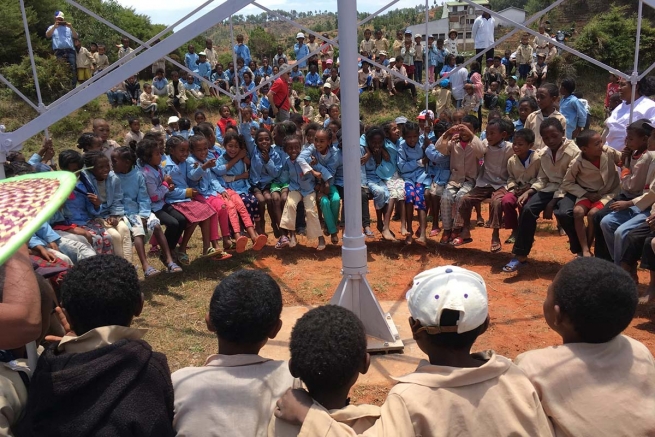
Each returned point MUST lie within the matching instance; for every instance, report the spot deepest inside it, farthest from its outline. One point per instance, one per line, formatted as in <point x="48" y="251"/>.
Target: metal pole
<point x="354" y="292"/>
<point x="635" y="73"/>
<point x="236" y="71"/>
<point x="426" y="87"/>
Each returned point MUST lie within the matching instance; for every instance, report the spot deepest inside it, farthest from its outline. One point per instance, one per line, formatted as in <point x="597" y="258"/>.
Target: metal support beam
<point x="354" y="292"/>
<point x="148" y="57"/>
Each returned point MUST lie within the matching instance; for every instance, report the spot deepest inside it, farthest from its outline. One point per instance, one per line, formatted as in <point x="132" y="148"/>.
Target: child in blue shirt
<point x="296" y="74"/>
<point x="301" y="187"/>
<point x="191" y="58"/>
<point x="313" y="79"/>
<point x="378" y="169"/>
<point x="410" y="165"/>
<point x="439" y="173"/>
<point x="160" y="84"/>
<point x="241" y="50"/>
<point x="204" y="70"/>
<point x="138" y="211"/>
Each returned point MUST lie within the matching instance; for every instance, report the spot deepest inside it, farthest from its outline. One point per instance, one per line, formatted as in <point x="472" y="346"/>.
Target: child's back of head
<point x="610" y="378"/>
<point x="236" y="385"/>
<point x="102" y="379"/>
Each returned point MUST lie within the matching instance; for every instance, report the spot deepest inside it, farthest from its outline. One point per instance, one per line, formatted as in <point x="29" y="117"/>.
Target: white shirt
<point x="457" y="81"/>
<point x="620" y="117"/>
<point x="483" y="32"/>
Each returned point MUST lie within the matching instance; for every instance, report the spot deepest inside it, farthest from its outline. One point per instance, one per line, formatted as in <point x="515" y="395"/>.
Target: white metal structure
<point x="353" y="292"/>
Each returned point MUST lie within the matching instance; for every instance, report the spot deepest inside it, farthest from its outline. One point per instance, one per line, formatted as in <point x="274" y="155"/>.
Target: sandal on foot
<point x="445" y="239"/>
<point x="282" y="242"/>
<point x="173" y="268"/>
<point x="496" y="247"/>
<point x="459" y="241"/>
<point x="321" y="246"/>
<point x="260" y="242"/>
<point x="150" y="272"/>
<point x="513" y="266"/>
<point x="420" y="242"/>
<point x="335" y="239"/>
<point x="242" y="242"/>
<point x="369" y="234"/>
<point x="480" y="222"/>
<point x="183" y="258"/>
<point x="435" y="232"/>
<point x="510" y="240"/>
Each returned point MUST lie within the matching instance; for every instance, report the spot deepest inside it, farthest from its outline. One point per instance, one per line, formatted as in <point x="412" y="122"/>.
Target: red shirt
<point x="280" y="90"/>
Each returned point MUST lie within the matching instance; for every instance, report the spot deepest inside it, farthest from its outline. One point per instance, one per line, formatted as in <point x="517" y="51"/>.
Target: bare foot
<point x="421" y="241"/>
<point x="408" y="238"/>
<point x="292" y="241"/>
<point x="386" y="234"/>
<point x="586" y="253"/>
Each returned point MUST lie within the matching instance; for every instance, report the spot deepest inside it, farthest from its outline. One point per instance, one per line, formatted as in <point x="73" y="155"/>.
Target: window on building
<point x="468" y="35"/>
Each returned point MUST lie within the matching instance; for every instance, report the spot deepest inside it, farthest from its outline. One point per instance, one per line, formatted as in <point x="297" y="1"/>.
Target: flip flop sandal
<point x="409" y="239"/>
<point x="220" y="256"/>
<point x="435" y="232"/>
<point x="445" y="239"/>
<point x="335" y="239"/>
<point x="420" y="242"/>
<point x="210" y="252"/>
<point x="173" y="268"/>
<point x="282" y="243"/>
<point x="511" y="240"/>
<point x="513" y="266"/>
<point x="459" y="241"/>
<point x="320" y="247"/>
<point x="369" y="234"/>
<point x="479" y="223"/>
<point x="183" y="259"/>
<point x="242" y="242"/>
<point x="260" y="242"/>
<point x="150" y="272"/>
<point x="496" y="247"/>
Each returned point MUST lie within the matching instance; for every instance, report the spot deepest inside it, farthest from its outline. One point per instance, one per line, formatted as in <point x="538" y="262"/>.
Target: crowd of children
<point x="97" y="375"/>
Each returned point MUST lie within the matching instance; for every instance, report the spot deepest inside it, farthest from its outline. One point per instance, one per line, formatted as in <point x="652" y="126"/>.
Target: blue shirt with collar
<point x="191" y="61"/>
<point x="313" y="79"/>
<point x="135" y="195"/>
<point x="301" y="51"/>
<point x="242" y="51"/>
<point x="408" y="163"/>
<point x="62" y="38"/>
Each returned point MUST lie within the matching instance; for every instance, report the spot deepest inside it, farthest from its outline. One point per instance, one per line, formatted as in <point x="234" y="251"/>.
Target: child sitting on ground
<point x="609" y="377"/>
<point x="328" y="352"/>
<point x="465" y="149"/>
<point x="101" y="129"/>
<point x="591" y="178"/>
<point x="522" y="169"/>
<point x="471" y="101"/>
<point x="491" y="96"/>
<point x="134" y="134"/>
<point x="513" y="94"/>
<point x="235" y="392"/>
<point x="528" y="89"/>
<point x="100" y="378"/>
<point x="477" y="394"/>
<point x="547" y="97"/>
<point x="148" y="100"/>
<point x="138" y="211"/>
<point x="489" y="184"/>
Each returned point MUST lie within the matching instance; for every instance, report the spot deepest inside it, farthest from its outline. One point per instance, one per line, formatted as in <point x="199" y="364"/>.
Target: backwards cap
<point x="448" y="288"/>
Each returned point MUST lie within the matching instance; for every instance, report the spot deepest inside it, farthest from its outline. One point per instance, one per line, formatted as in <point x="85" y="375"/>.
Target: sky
<point x="167" y="12"/>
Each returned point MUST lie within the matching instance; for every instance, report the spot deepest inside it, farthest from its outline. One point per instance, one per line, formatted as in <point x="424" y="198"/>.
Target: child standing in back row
<point x="547" y="97"/>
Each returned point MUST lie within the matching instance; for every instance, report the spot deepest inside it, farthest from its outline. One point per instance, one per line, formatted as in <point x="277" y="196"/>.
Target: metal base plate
<point x="378" y="346"/>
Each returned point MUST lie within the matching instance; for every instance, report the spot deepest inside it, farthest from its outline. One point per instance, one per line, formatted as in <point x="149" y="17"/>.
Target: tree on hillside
<point x="40" y="15"/>
<point x="261" y="43"/>
<point x="610" y="38"/>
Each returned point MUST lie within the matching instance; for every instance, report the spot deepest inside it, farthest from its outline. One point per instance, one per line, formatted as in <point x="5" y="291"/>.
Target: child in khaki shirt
<point x="456" y="391"/>
<point x="593" y="180"/>
<point x="234" y="393"/>
<point x="522" y="170"/>
<point x="328" y="352"/>
<point x="547" y="97"/>
<point x="598" y="382"/>
<point x="545" y="195"/>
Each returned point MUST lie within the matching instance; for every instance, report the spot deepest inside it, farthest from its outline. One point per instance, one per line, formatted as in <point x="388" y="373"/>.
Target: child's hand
<point x="94" y="200"/>
<point x="593" y="197"/>
<point x="313" y="161"/>
<point x="53" y="245"/>
<point x="651" y="222"/>
<point x="317" y="174"/>
<point x="68" y="331"/>
<point x="365" y="157"/>
<point x="462" y="128"/>
<point x="209" y="164"/>
<point x="168" y="179"/>
<point x="113" y="220"/>
<point x="194" y="192"/>
<point x="621" y="205"/>
<point x="385" y="155"/>
<point x="225" y="196"/>
<point x="171" y="186"/>
<point x="523" y="198"/>
<point x="242" y="154"/>
<point x="293" y="406"/>
<point x="548" y="212"/>
<point x="265" y="156"/>
<point x="42" y="252"/>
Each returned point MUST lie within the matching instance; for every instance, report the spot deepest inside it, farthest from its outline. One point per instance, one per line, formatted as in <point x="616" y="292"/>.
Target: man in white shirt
<point x="483" y="33"/>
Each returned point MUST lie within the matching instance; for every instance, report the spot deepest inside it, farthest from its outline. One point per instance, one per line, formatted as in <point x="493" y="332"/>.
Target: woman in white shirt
<point x="643" y="107"/>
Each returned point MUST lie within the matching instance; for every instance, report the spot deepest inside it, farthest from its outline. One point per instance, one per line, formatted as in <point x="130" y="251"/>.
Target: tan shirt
<point x="108" y="148"/>
<point x="231" y="395"/>
<point x="600" y="390"/>
<point x="211" y="57"/>
<point x="524" y="54"/>
<point x="521" y="176"/>
<point x="326" y="100"/>
<point x="146" y="99"/>
<point x="464" y="162"/>
<point x="308" y="111"/>
<point x="495" y="399"/>
<point x="552" y="170"/>
<point x="583" y="177"/>
<point x="648" y="197"/>
<point x="334" y="83"/>
<point x="101" y="61"/>
<point x="84" y="58"/>
<point x="493" y="172"/>
<point x="358" y="417"/>
<point x="382" y="44"/>
<point x="513" y="91"/>
<point x="131" y="136"/>
<point x="533" y="122"/>
<point x="528" y="91"/>
<point x="13" y="393"/>
<point x="444" y="99"/>
<point x="634" y="183"/>
<point x="97" y="338"/>
<point x="397" y="47"/>
<point x="367" y="46"/>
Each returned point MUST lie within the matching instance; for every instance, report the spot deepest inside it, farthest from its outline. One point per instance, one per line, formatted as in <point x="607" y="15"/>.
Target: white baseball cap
<point x="300" y="35"/>
<point x="59" y="14"/>
<point x="173" y="119"/>
<point x="448" y="288"/>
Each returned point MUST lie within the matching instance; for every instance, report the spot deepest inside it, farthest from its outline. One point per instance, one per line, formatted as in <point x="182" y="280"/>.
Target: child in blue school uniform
<point x="204" y="69"/>
<point x="377" y="169"/>
<point x="327" y="159"/>
<point x="249" y="85"/>
<point x="181" y="197"/>
<point x="191" y="58"/>
<point x="301" y="188"/>
<point x="410" y="155"/>
<point x="138" y="211"/>
<point x="265" y="167"/>
<point x="241" y="50"/>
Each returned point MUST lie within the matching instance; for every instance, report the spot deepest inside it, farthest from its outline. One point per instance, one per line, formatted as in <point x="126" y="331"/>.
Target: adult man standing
<point x="278" y="96"/>
<point x="483" y="34"/>
<point x="62" y="34"/>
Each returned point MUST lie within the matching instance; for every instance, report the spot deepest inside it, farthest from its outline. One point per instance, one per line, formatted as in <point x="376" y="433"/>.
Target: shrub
<point x="73" y="124"/>
<point x="54" y="77"/>
<point x="124" y="112"/>
<point x="314" y="93"/>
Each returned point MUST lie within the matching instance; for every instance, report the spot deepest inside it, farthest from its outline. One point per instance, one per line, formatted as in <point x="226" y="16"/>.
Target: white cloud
<point x="168" y="12"/>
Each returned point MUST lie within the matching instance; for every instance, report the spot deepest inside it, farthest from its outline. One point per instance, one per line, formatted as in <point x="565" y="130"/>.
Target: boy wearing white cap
<point x="456" y="392"/>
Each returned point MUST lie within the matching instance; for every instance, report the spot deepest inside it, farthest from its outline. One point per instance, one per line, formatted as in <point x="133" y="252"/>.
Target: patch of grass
<point x="124" y="112"/>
